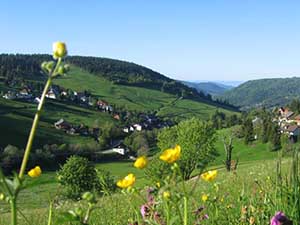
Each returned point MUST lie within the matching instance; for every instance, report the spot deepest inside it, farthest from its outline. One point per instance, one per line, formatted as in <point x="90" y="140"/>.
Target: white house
<point x="137" y="127"/>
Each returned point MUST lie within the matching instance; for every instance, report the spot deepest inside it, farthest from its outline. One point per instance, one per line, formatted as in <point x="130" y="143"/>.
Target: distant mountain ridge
<point x="211" y="88"/>
<point x="264" y="92"/>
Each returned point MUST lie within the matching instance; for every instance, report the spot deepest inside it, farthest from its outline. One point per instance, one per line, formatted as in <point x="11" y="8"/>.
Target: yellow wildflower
<point x="35" y="172"/>
<point x="2" y="196"/>
<point x="158" y="184"/>
<point x="204" y="197"/>
<point x="59" y="50"/>
<point x="166" y="194"/>
<point x="210" y="175"/>
<point x="127" y="181"/>
<point x="171" y="155"/>
<point x="140" y="162"/>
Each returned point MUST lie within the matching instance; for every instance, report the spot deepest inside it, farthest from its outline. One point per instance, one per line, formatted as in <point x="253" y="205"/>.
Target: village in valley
<point x="127" y="122"/>
<point x="289" y="123"/>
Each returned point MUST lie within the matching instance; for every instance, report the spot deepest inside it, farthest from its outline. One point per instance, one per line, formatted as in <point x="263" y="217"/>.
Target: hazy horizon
<point x="190" y="40"/>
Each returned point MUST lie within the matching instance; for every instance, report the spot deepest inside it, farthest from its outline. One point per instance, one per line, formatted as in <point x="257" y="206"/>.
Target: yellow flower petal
<point x="141" y="162"/>
<point x="59" y="50"/>
<point x="171" y="155"/>
<point x="35" y="172"/>
<point x="210" y="175"/>
<point x="204" y="197"/>
<point x="166" y="194"/>
<point x="127" y="181"/>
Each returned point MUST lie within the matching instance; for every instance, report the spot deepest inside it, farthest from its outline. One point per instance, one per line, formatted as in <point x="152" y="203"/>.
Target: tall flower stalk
<point x="11" y="188"/>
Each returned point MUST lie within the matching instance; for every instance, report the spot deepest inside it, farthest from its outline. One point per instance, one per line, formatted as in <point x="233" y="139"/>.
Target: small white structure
<point x="51" y="94"/>
<point x="37" y="100"/>
<point x="9" y="95"/>
<point x="119" y="150"/>
<point x="137" y="127"/>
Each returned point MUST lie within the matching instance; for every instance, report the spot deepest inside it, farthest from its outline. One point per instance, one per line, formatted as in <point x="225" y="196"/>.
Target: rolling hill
<point x="264" y="92"/>
<point x="16" y="116"/>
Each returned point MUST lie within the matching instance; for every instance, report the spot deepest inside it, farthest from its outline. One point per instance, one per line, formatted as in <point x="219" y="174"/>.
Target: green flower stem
<point x="88" y="214"/>
<point x="36" y="120"/>
<point x="33" y="129"/>
<point x="50" y="213"/>
<point x="167" y="212"/>
<point x="13" y="211"/>
<point x="185" y="219"/>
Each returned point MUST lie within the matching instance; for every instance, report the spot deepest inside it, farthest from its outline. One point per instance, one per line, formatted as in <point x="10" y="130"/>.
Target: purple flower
<point x="205" y="217"/>
<point x="280" y="219"/>
<point x="144" y="211"/>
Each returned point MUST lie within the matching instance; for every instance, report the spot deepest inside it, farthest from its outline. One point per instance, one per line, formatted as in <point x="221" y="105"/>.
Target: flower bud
<point x="61" y="70"/>
<point x="166" y="194"/>
<point x="43" y="65"/>
<point x="49" y="66"/>
<point x="89" y="197"/>
<point x="59" y="50"/>
<point x="2" y="196"/>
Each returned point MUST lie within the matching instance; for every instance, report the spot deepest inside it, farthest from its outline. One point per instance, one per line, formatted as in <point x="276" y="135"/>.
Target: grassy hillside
<point x="136" y="98"/>
<point x="16" y="120"/>
<point x="248" y="155"/>
<point x="255" y="168"/>
<point x="264" y="92"/>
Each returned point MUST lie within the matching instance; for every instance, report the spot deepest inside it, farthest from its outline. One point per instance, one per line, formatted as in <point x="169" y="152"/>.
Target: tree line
<point x="19" y="66"/>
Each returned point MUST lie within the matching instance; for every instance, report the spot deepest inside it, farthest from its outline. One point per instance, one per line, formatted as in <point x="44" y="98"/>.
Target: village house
<point x="116" y="117"/>
<point x="293" y="131"/>
<point x="137" y="127"/>
<point x="297" y="119"/>
<point x="119" y="148"/>
<point x="24" y="94"/>
<point x="10" y="95"/>
<point x="37" y="100"/>
<point x="52" y="93"/>
<point x="285" y="115"/>
<point x="62" y="125"/>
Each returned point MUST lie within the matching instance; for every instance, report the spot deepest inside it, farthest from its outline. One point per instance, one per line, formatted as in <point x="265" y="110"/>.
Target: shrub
<point x="10" y="158"/>
<point x="106" y="183"/>
<point x="197" y="141"/>
<point x="77" y="176"/>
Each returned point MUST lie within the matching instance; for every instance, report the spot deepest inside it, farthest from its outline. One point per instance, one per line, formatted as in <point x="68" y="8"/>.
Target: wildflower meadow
<point x="181" y="185"/>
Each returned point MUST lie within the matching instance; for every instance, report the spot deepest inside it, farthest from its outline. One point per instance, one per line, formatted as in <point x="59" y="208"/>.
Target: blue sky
<point x="190" y="40"/>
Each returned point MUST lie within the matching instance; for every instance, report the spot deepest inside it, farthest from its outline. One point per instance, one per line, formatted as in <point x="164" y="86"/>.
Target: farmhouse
<point x="24" y="94"/>
<point x="10" y="95"/>
<point x="297" y="119"/>
<point x="52" y="93"/>
<point x="62" y="125"/>
<point x="285" y="115"/>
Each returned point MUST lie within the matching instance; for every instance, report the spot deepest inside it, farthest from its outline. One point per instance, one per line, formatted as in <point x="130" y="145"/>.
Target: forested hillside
<point x="264" y="92"/>
<point x="17" y="67"/>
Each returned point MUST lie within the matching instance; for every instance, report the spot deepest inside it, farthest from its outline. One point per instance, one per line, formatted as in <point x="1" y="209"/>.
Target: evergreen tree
<point x="275" y="138"/>
<point x="248" y="131"/>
